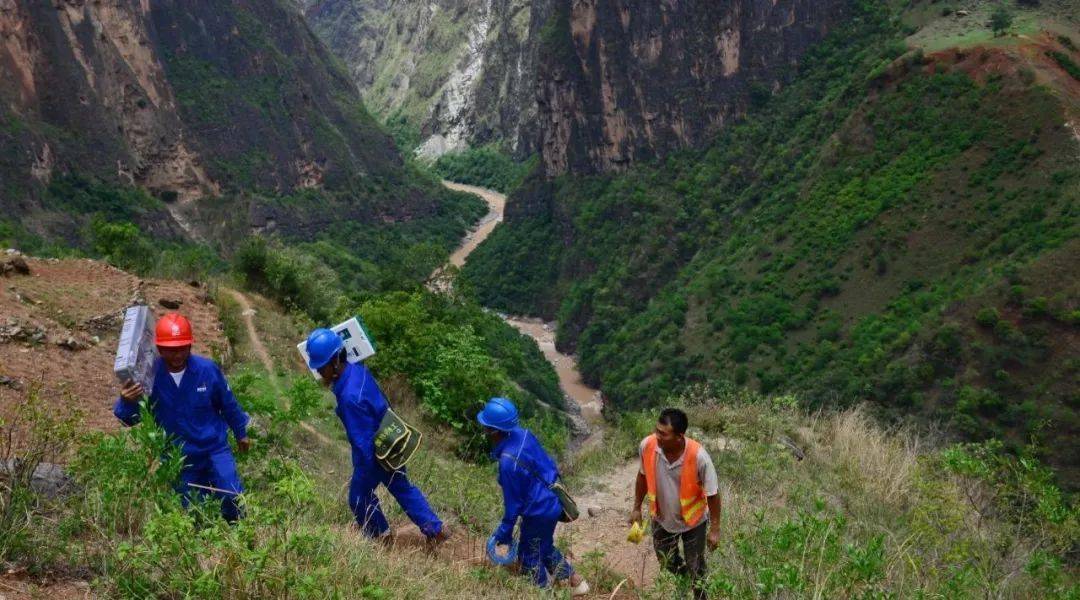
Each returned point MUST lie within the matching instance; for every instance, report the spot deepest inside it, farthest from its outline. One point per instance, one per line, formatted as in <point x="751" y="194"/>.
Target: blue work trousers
<point x="216" y="470"/>
<point x="537" y="551"/>
<point x="368" y="512"/>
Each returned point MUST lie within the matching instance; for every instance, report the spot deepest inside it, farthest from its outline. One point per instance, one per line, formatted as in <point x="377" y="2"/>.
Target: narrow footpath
<point x="247" y="313"/>
<point x="601" y="530"/>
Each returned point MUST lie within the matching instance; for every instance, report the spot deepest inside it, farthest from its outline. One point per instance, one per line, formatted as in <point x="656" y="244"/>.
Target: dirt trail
<point x="603" y="532"/>
<point x="247" y="312"/>
<point x="602" y="527"/>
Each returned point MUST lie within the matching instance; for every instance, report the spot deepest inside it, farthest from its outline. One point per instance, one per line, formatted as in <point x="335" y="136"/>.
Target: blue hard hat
<point x="322" y="345"/>
<point x="498" y="413"/>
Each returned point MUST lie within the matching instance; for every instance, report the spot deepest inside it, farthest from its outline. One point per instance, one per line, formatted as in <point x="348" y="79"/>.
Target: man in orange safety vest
<point x="678" y="478"/>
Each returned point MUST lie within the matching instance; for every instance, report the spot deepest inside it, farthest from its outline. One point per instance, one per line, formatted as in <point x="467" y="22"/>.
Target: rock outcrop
<point x="593" y="85"/>
<point x="462" y="72"/>
<point x="196" y="101"/>
<point x="626" y="80"/>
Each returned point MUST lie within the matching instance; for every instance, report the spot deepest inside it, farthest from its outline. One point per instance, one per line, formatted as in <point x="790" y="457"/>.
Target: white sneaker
<point x="581" y="589"/>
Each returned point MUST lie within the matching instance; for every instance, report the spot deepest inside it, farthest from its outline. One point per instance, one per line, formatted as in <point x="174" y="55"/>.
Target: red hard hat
<point x="174" y="331"/>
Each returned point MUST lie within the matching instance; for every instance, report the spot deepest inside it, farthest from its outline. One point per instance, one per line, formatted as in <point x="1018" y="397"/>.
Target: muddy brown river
<point x="587" y="398"/>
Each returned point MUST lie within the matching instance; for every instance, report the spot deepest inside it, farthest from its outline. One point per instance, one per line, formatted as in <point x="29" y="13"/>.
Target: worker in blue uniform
<point x="526" y="473"/>
<point x="192" y="402"/>
<point x="361" y="406"/>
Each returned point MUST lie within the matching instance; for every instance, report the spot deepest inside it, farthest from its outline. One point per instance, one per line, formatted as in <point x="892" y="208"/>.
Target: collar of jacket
<point x="163" y="369"/>
<point x="343" y="380"/>
<point x="516" y="433"/>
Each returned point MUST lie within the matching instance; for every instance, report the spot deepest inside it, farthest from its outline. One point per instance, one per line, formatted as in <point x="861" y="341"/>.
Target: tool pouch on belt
<point x="395" y="442"/>
<point x="570" y="510"/>
<point x="569" y="507"/>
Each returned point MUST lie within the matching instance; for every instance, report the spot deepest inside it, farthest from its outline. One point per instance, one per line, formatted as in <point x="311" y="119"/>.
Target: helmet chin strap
<point x="339" y="364"/>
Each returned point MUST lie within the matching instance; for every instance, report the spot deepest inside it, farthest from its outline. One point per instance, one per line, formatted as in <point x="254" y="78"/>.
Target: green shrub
<point x="484" y="167"/>
<point x="1066" y="63"/>
<point x="122" y="244"/>
<point x="290" y="276"/>
<point x="455" y="359"/>
<point x="1022" y="489"/>
<point x="987" y="317"/>
<point x="1001" y="19"/>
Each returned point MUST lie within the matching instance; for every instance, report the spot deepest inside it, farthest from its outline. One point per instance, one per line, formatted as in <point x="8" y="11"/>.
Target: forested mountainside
<point x="898" y="225"/>
<point x="196" y="121"/>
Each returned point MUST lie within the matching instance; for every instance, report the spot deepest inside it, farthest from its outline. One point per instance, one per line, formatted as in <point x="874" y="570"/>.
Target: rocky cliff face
<point x="83" y="88"/>
<point x="462" y="72"/>
<point x="626" y="80"/>
<point x="592" y="84"/>
<point x="190" y="99"/>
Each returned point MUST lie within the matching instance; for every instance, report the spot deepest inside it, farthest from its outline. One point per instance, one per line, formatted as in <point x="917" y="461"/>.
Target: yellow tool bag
<point x="395" y="442"/>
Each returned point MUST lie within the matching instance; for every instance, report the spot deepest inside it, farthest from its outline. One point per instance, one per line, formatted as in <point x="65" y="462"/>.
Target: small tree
<point x="1001" y="20"/>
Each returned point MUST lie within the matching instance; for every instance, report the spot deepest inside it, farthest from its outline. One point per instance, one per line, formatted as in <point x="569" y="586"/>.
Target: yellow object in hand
<point x="637" y="533"/>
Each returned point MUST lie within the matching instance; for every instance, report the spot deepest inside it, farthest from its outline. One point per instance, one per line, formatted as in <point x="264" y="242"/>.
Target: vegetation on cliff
<point x="485" y="167"/>
<point x="841" y="241"/>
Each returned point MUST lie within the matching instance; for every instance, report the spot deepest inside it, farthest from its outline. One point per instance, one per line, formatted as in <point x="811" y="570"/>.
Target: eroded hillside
<point x="232" y="116"/>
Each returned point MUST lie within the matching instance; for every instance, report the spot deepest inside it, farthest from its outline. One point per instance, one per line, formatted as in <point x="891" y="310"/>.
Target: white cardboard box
<point x="358" y="344"/>
<point x="136" y="352"/>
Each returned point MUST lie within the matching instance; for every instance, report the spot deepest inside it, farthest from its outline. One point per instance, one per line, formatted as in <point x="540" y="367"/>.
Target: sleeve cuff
<point x="241" y="432"/>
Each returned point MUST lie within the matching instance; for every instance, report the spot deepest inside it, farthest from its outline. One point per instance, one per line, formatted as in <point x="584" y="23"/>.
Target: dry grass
<point x="881" y="461"/>
<point x="817" y="521"/>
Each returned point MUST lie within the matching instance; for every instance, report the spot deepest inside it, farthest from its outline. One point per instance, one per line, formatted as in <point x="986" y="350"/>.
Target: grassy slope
<point x="839" y="242"/>
<point x="868" y="512"/>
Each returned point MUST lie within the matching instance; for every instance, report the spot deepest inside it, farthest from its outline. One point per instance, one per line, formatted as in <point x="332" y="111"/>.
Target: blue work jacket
<point x="525" y="473"/>
<point x="197" y="412"/>
<point x="360" y="406"/>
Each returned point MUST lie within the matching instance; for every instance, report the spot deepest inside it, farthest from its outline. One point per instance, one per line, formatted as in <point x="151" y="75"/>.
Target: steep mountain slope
<point x="862" y="511"/>
<point x="218" y="110"/>
<point x="624" y="81"/>
<point x="453" y="72"/>
<point x="896" y="226"/>
<point x="592" y="85"/>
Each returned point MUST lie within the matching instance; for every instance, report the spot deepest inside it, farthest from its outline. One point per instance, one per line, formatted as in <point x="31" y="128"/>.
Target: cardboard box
<point x="136" y="353"/>
<point x="358" y="343"/>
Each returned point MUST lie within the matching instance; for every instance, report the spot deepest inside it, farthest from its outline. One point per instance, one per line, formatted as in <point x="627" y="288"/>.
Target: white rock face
<point x="461" y="71"/>
<point x="450" y="111"/>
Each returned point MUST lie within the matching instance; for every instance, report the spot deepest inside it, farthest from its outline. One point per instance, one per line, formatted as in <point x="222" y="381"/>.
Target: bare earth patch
<point x="59" y="327"/>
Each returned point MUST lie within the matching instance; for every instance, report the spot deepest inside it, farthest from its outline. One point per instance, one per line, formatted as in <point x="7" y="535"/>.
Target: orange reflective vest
<point x="691" y="494"/>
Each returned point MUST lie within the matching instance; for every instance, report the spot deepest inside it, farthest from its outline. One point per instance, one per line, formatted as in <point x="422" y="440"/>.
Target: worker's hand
<point x="132" y="391"/>
<point x="243" y="445"/>
<point x="713" y="538"/>
<point x="635" y="516"/>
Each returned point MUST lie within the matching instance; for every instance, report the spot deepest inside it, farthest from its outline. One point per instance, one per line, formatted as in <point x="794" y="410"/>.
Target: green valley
<point x="894" y="226"/>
